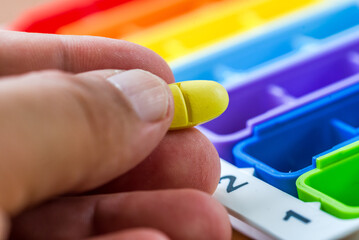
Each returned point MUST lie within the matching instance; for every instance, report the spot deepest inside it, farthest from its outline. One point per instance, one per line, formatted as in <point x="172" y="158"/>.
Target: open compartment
<point x="275" y="8"/>
<point x="203" y="32"/>
<point x="255" y="53"/>
<point x="335" y="23"/>
<point x="213" y="24"/>
<point x="261" y="50"/>
<point x="281" y="148"/>
<point x="315" y="75"/>
<point x="292" y="148"/>
<point x="350" y="118"/>
<point x="237" y="19"/>
<point x="246" y="103"/>
<point x="286" y="87"/>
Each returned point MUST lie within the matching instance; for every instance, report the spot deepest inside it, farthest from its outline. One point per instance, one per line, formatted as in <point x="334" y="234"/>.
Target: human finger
<point x="183" y="159"/>
<point x="69" y="133"/>
<point x="24" y="52"/>
<point x="133" y="234"/>
<point x="180" y="214"/>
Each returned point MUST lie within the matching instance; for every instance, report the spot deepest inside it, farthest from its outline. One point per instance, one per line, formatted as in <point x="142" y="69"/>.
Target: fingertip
<point x="210" y="162"/>
<point x="134" y="234"/>
<point x="199" y="160"/>
<point x="183" y="159"/>
<point x="203" y="206"/>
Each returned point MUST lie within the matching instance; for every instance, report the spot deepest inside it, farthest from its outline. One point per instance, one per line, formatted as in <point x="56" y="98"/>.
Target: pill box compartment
<point x="334" y="182"/>
<point x="222" y="66"/>
<point x="257" y="97"/>
<point x="272" y="95"/>
<point x="203" y="28"/>
<point x="281" y="149"/>
<point x="255" y="100"/>
<point x="50" y="17"/>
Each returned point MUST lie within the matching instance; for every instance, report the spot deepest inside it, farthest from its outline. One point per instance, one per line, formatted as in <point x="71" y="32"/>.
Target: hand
<point x="85" y="152"/>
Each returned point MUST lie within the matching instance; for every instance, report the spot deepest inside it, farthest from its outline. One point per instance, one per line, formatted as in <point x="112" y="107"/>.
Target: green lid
<point x="334" y="183"/>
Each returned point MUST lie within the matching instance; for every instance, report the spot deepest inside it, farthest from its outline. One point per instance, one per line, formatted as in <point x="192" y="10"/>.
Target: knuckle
<point x="102" y="113"/>
<point x="84" y="103"/>
<point x="91" y="106"/>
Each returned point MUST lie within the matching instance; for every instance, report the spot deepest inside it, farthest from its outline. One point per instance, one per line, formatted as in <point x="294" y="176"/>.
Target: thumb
<point x="65" y="133"/>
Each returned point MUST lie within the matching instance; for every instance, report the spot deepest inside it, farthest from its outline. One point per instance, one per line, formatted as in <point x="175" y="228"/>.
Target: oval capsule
<point x="197" y="102"/>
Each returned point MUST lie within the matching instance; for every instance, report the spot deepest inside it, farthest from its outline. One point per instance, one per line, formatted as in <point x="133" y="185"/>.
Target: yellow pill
<point x="197" y="102"/>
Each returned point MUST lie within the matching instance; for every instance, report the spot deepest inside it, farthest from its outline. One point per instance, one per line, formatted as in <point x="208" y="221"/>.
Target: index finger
<point x="23" y="52"/>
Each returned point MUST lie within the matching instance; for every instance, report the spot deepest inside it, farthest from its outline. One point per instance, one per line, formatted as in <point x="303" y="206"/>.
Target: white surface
<point x="264" y="208"/>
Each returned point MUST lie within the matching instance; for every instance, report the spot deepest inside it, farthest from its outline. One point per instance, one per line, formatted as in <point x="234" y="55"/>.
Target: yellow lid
<point x="197" y="102"/>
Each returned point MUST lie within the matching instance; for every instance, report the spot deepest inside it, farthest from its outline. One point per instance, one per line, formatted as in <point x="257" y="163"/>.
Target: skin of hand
<point x="85" y="151"/>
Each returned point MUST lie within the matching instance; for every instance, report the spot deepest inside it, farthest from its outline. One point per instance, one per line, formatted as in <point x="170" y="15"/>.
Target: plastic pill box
<point x="50" y="17"/>
<point x="135" y="16"/>
<point x="213" y="23"/>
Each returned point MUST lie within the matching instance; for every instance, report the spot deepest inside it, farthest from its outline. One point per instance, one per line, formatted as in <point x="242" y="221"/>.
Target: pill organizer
<point x="301" y="33"/>
<point x="49" y="17"/>
<point x="213" y="23"/>
<point x="135" y="16"/>
<point x="289" y="140"/>
<point x="274" y="83"/>
<point x="281" y="149"/>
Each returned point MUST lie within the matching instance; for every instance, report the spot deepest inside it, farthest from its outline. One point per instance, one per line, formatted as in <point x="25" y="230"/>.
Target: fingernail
<point x="146" y="92"/>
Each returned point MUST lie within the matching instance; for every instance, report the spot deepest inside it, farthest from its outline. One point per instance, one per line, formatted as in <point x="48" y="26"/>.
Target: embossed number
<point x="232" y="179"/>
<point x="291" y="213"/>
